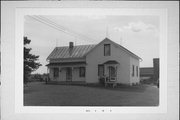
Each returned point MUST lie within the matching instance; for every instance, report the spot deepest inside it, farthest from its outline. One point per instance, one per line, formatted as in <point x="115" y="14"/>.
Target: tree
<point x="30" y="60"/>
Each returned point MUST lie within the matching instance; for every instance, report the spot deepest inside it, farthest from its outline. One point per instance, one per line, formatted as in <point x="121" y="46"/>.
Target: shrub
<point x="102" y="80"/>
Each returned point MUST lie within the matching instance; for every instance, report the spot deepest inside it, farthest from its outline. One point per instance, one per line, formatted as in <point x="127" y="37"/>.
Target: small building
<point x="87" y="63"/>
<point x="147" y="74"/>
<point x="150" y="74"/>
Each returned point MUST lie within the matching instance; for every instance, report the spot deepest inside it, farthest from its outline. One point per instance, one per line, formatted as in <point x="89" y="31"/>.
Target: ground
<point x="41" y="94"/>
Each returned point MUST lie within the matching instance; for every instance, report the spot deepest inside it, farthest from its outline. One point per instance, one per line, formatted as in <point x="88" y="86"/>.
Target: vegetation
<point x="38" y="77"/>
<point x="39" y="94"/>
<point x="30" y="60"/>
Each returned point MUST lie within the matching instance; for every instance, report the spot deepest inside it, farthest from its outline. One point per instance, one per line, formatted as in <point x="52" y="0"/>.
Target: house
<point x="87" y="63"/>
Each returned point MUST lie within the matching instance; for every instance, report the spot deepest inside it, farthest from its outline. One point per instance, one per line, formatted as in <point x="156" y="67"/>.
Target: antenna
<point x="121" y="40"/>
<point x="121" y="36"/>
<point x="107" y="31"/>
<point x="56" y="43"/>
<point x="75" y="41"/>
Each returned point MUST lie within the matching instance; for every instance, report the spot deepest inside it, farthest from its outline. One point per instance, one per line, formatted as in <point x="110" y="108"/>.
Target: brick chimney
<point x="71" y="45"/>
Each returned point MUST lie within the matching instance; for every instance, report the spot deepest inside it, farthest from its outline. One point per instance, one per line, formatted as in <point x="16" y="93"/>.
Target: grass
<point x="40" y="94"/>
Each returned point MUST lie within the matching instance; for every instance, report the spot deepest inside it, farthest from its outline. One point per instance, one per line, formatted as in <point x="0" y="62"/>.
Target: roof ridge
<point x="76" y="45"/>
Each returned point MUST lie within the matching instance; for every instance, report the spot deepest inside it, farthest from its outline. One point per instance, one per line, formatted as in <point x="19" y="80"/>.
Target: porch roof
<point x="111" y="62"/>
<point x="66" y="63"/>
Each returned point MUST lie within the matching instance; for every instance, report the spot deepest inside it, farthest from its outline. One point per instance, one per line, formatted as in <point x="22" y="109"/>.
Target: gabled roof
<point x="65" y="52"/>
<point x="121" y="47"/>
<point x="81" y="51"/>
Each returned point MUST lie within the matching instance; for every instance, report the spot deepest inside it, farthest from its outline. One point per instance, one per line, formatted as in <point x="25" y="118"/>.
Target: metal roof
<point x="80" y="51"/>
<point x="65" y="52"/>
<point x="66" y="63"/>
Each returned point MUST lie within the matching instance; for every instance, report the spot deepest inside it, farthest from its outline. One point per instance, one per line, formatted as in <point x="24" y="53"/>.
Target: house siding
<point x="76" y="75"/>
<point x="96" y="56"/>
<point x="134" y="79"/>
<point x="62" y="74"/>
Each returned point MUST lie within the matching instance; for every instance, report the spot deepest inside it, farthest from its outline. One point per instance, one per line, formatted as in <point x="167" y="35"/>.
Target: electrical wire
<point x="58" y="27"/>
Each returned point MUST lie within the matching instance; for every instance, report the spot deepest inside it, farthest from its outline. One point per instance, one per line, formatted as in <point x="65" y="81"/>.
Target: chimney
<point x="71" y="45"/>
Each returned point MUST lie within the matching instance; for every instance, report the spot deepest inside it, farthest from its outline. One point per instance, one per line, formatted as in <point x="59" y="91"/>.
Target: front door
<point x="112" y="73"/>
<point x="69" y="74"/>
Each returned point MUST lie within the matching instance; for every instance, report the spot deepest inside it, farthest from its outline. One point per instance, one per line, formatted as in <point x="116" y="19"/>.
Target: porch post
<point x="48" y="74"/>
<point x="72" y="68"/>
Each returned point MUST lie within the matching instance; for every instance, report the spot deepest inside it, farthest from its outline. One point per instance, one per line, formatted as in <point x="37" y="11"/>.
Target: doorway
<point x="112" y="73"/>
<point x="69" y="74"/>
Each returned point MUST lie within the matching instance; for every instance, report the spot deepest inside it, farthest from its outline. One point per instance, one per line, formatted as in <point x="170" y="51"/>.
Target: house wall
<point x="135" y="78"/>
<point x="76" y="75"/>
<point x="96" y="56"/>
<point x="62" y="74"/>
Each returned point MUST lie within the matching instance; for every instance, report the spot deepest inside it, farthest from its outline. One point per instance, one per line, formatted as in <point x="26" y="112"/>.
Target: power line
<point x="58" y="27"/>
<point x="66" y="29"/>
<point x="48" y="24"/>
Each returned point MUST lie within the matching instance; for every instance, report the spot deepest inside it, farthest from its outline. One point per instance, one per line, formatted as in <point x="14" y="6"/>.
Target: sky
<point x="139" y="34"/>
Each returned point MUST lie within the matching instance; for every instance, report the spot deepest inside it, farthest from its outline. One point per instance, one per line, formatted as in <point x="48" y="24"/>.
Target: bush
<point x="102" y="80"/>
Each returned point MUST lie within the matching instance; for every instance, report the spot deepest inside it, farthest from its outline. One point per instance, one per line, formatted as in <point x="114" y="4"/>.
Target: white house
<point x="87" y="63"/>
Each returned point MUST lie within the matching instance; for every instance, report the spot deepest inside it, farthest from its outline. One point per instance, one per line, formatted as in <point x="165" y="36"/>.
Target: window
<point x="82" y="72"/>
<point x="112" y="71"/>
<point x="137" y="71"/>
<point x="100" y="70"/>
<point x="132" y="70"/>
<point x="107" y="50"/>
<point x="56" y="72"/>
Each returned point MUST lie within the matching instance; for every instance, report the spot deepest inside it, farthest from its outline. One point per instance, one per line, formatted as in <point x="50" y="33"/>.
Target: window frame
<point x="100" y="65"/>
<point x="111" y="68"/>
<point x="105" y="45"/>
<point x="137" y="71"/>
<point x="81" y="73"/>
<point x="132" y="70"/>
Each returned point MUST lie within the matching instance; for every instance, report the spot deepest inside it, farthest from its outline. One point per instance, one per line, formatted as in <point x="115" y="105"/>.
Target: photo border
<point x="19" y="29"/>
<point x="8" y="39"/>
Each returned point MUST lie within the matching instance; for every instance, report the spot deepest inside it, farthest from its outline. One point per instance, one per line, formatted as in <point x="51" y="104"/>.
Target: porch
<point x="107" y="73"/>
<point x="67" y="72"/>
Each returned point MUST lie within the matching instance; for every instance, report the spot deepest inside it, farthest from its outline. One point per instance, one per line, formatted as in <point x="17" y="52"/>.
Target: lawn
<point x="41" y="94"/>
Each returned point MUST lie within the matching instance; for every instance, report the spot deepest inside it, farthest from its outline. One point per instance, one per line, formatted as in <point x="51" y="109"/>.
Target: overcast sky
<point x="139" y="34"/>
